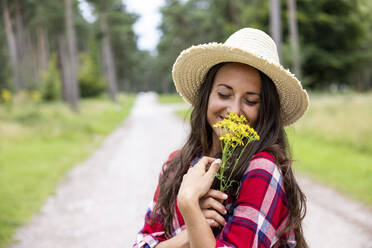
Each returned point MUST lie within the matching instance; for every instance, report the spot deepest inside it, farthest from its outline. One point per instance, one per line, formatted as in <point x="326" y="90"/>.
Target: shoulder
<point x="264" y="155"/>
<point x="264" y="172"/>
<point x="264" y="162"/>
<point x="173" y="154"/>
<point x="169" y="160"/>
<point x="262" y="185"/>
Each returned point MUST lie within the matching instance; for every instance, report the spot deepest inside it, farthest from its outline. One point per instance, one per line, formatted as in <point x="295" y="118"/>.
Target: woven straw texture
<point x="249" y="46"/>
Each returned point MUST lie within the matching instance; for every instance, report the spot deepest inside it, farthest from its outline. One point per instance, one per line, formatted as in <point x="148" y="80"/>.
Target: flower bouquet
<point x="236" y="133"/>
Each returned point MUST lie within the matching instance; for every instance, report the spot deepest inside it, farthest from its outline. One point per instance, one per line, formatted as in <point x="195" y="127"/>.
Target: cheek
<point x="210" y="114"/>
<point x="252" y="114"/>
<point x="214" y="108"/>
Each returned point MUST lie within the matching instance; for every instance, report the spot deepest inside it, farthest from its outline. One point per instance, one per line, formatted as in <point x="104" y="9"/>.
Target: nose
<point x="235" y="107"/>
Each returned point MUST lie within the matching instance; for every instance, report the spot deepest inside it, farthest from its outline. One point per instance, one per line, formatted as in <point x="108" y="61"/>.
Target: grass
<point x="332" y="143"/>
<point x="343" y="119"/>
<point x="170" y="98"/>
<point x="344" y="168"/>
<point x="39" y="144"/>
<point x="175" y="98"/>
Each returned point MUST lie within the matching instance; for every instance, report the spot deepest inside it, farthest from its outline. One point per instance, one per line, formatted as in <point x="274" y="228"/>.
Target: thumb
<point x="215" y="166"/>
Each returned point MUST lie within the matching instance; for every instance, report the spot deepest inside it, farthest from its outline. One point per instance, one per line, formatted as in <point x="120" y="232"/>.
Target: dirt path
<point x="101" y="203"/>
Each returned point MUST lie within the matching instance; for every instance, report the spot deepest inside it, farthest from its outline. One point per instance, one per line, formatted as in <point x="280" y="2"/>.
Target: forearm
<point x="199" y="233"/>
<point x="179" y="241"/>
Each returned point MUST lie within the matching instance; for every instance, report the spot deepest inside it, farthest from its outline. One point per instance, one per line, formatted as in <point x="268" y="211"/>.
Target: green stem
<point x="236" y="161"/>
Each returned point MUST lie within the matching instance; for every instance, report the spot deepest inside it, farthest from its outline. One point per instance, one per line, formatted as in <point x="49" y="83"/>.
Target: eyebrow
<point x="230" y="88"/>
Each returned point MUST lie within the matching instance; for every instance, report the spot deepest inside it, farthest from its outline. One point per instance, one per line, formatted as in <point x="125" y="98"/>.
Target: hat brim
<point x="192" y="65"/>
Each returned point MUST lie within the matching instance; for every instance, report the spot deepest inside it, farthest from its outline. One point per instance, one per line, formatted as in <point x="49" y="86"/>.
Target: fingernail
<point x="224" y="196"/>
<point x="225" y="212"/>
<point x="218" y="161"/>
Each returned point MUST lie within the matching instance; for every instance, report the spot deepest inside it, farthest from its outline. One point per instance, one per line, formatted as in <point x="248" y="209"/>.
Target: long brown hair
<point x="273" y="139"/>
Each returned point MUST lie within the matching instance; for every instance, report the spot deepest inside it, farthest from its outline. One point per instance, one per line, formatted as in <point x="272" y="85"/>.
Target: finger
<point x="214" y="167"/>
<point x="214" y="215"/>
<point x="217" y="194"/>
<point x="208" y="177"/>
<point x="213" y="204"/>
<point x="212" y="223"/>
<point x="203" y="162"/>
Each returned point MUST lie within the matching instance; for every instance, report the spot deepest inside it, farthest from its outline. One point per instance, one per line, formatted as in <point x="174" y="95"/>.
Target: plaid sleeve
<point x="152" y="233"/>
<point x="260" y="211"/>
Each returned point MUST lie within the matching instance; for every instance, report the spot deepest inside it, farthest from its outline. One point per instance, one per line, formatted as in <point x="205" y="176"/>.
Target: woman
<point x="266" y="208"/>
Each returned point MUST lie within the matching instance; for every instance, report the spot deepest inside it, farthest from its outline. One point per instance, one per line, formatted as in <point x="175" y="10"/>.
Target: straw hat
<point x="249" y="46"/>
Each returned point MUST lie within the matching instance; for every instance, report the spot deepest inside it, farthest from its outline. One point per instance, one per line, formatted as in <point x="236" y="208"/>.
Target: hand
<point x="212" y="207"/>
<point x="198" y="180"/>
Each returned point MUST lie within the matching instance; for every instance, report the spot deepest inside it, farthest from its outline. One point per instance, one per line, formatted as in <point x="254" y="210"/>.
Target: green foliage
<point x="334" y="164"/>
<point x="90" y="82"/>
<point x="344" y="119"/>
<point x="124" y="45"/>
<point x="183" y="24"/>
<point x="39" y="145"/>
<point x="130" y="62"/>
<point x="6" y="99"/>
<point x="50" y="85"/>
<point x="187" y="23"/>
<point x="335" y="39"/>
<point x="4" y="57"/>
<point x="333" y="34"/>
<point x="170" y="98"/>
<point x="46" y="14"/>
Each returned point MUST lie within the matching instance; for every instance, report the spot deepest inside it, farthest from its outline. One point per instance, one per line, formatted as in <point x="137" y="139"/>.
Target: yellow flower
<point x="6" y="95"/>
<point x="236" y="132"/>
<point x="36" y="96"/>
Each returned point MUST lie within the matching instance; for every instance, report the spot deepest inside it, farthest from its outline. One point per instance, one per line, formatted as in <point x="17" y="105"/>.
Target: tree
<point x="184" y="24"/>
<point x="334" y="35"/>
<point x="275" y="23"/>
<point x="128" y="59"/>
<point x="71" y="86"/>
<point x="109" y="70"/>
<point x="293" y="33"/>
<point x="11" y="42"/>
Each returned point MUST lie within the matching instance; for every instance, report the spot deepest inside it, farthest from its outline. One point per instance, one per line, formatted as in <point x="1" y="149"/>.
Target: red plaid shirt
<point x="258" y="217"/>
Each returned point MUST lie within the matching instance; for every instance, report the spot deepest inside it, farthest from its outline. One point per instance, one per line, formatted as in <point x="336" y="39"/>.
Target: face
<point x="236" y="88"/>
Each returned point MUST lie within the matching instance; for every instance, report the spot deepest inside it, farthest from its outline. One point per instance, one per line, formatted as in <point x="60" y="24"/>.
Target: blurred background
<point x="70" y="71"/>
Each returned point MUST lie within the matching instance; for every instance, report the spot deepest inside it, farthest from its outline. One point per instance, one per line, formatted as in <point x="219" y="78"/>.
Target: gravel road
<point x="101" y="202"/>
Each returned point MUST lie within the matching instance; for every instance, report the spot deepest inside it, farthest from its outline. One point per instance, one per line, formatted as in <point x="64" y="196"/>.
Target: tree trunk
<point x="108" y="59"/>
<point x="293" y="32"/>
<point x="72" y="85"/>
<point x="12" y="46"/>
<point x="21" y="46"/>
<point x="63" y="63"/>
<point x="26" y="52"/>
<point x="232" y="12"/>
<point x="31" y="70"/>
<point x="275" y="23"/>
<point x="42" y="49"/>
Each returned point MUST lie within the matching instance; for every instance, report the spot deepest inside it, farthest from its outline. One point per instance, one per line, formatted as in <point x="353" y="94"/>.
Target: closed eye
<point x="223" y="96"/>
<point x="249" y="102"/>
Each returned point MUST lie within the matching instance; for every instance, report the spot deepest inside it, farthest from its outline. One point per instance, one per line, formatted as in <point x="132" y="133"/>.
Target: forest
<point x="50" y="52"/>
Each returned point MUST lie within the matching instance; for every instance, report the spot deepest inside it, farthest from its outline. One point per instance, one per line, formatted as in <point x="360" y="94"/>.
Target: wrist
<point x="186" y="202"/>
